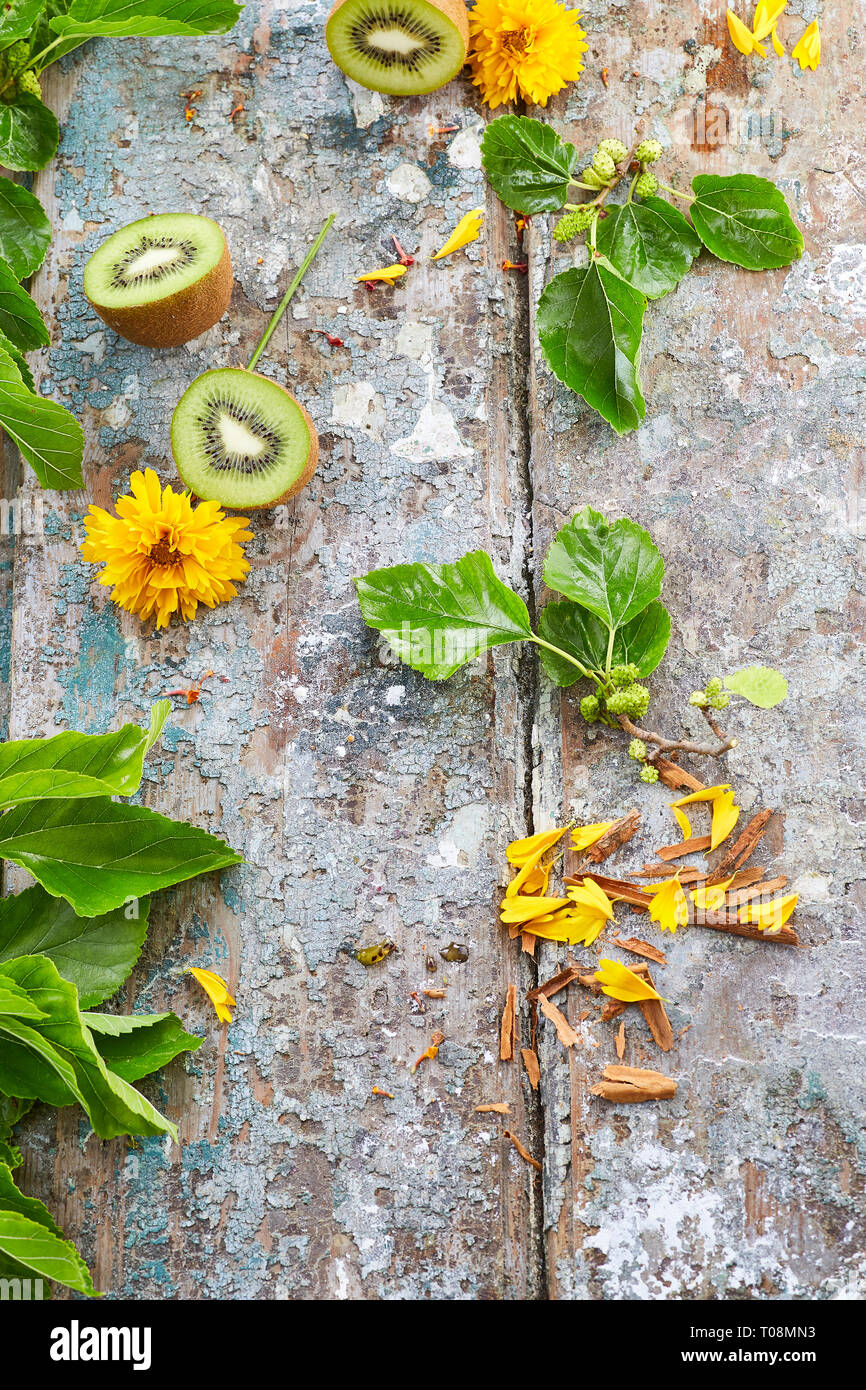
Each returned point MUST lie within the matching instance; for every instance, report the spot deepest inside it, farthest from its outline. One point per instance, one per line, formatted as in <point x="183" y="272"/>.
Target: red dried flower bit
<point x="334" y="342"/>
<point x="431" y="1052"/>
<point x="377" y="1091"/>
<point x="521" y="221"/>
<point x="402" y="256"/>
<point x="236" y="110"/>
<point x="522" y="266"/>
<point x="416" y="1003"/>
<point x="194" y="692"/>
<point x="441" y="129"/>
<point x="605" y="76"/>
<point x="189" y="110"/>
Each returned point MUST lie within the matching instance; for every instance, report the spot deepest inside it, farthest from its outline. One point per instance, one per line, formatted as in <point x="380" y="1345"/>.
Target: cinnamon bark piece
<point x="692" y="846"/>
<point x="743" y="846"/>
<point x="619" y="834"/>
<point x="564" y="1030"/>
<point x="524" y="1153"/>
<point x="641" y="948"/>
<point x="533" y="1070"/>
<point x="507" y="1029"/>
<point x="556" y="983"/>
<point x="632" y="1084"/>
<point x="674" y="777"/>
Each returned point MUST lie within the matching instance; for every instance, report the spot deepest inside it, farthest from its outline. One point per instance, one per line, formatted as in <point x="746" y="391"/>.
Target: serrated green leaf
<point x="25" y="231"/>
<point x="78" y="765"/>
<point x="49" y="438"/>
<point x="17" y="18"/>
<point x="98" y="853"/>
<point x="11" y="1111"/>
<point x="16" y="1003"/>
<point x="29" y="1245"/>
<point x="527" y="164"/>
<point x="20" y="320"/>
<point x="96" y="954"/>
<point x="28" y="133"/>
<point x="745" y="219"/>
<point x="575" y="630"/>
<point x="25" y="376"/>
<point x="436" y="618"/>
<point x="614" y="570"/>
<point x="112" y="1105"/>
<point x="589" y="324"/>
<point x="760" y="685"/>
<point x="145" y="18"/>
<point x="134" y="1045"/>
<point x="650" y="243"/>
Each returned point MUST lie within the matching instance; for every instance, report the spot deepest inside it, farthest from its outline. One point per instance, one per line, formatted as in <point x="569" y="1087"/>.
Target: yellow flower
<point x="216" y="990"/>
<point x="531" y="876"/>
<point x="521" y="909"/>
<point x="669" y="906"/>
<point x="591" y="909"/>
<point x="710" y="897"/>
<point x="767" y="15"/>
<point x="520" y="850"/>
<point x="586" y="835"/>
<point x="808" y="50"/>
<point x="769" y="916"/>
<point x="524" y="48"/>
<point x="621" y="983"/>
<point x="388" y="276"/>
<point x="164" y="556"/>
<point x="565" y="925"/>
<point x="743" y="38"/>
<point x="725" y="813"/>
<point x="467" y="229"/>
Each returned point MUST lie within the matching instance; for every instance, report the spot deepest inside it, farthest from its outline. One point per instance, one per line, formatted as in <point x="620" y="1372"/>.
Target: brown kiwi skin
<point x="180" y="317"/>
<point x="455" y="10"/>
<point x="312" y="460"/>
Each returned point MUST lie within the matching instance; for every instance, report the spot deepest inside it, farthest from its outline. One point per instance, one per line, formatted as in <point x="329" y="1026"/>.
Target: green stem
<point x="686" y="197"/>
<point x="631" y="190"/>
<point x="593" y="228"/>
<point x="609" y="659"/>
<point x="37" y="61"/>
<point x="284" y="302"/>
<point x="557" y="651"/>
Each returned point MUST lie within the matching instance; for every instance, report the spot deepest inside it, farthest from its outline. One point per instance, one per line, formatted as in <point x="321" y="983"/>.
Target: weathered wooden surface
<point x="291" y="1181"/>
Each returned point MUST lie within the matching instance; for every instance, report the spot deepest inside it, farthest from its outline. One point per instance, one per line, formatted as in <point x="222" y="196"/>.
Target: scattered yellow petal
<point x="711" y="896"/>
<point x="621" y="983"/>
<point x="706" y="794"/>
<point x="593" y="898"/>
<point x="768" y="916"/>
<point x="520" y="850"/>
<point x="570" y="926"/>
<point x="216" y="990"/>
<point x="767" y="15"/>
<point x="388" y="275"/>
<point x="467" y="229"/>
<point x="521" y="909"/>
<point x="808" y="50"/>
<point x="585" y="835"/>
<point x="669" y="906"/>
<point x="683" y="822"/>
<point x="524" y="48"/>
<point x="778" y="46"/>
<point x="725" y="817"/>
<point x="741" y="37"/>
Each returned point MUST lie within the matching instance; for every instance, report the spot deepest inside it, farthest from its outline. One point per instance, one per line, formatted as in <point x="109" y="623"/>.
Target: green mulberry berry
<point x="29" y="82"/>
<point x="17" y="56"/>
<point x="633" y="701"/>
<point x="698" y="698"/>
<point x="648" y="773"/>
<point x="590" y="708"/>
<point x="648" y="151"/>
<point x="637" y="750"/>
<point x="603" y="166"/>
<point x="572" y="223"/>
<point x="714" y="687"/>
<point x="719" y="701"/>
<point x="623" y="675"/>
<point x="646" y="185"/>
<point x="590" y="177"/>
<point x="615" y="148"/>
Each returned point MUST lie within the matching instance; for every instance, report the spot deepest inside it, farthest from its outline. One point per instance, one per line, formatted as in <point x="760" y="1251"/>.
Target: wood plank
<point x="291" y="1181"/>
<point x="744" y="472"/>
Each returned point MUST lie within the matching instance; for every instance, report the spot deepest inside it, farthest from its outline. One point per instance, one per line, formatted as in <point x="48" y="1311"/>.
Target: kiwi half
<point x="241" y="440"/>
<point x="162" y="280"/>
<point x="400" y="47"/>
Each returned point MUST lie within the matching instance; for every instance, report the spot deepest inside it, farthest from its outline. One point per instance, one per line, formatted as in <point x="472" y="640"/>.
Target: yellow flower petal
<point x="741" y="37"/>
<point x="585" y="835"/>
<point x="710" y="897"/>
<point x="216" y="989"/>
<point x="683" y="822"/>
<point x="706" y="794"/>
<point x="808" y="50"/>
<point x="725" y="817"/>
<point x="669" y="905"/>
<point x="528" y="871"/>
<point x="767" y="15"/>
<point x="524" y="48"/>
<point x="592" y="898"/>
<point x="621" y="983"/>
<point x="467" y="229"/>
<point x="568" y="926"/>
<point x="521" y="909"/>
<point x="520" y="850"/>
<point x="388" y="275"/>
<point x="769" y="916"/>
<point x="778" y="46"/>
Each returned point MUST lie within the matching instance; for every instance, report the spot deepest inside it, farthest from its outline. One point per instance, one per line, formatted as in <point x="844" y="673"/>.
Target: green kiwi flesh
<point x="399" y="47"/>
<point x="241" y="440"/>
<point x="163" y="280"/>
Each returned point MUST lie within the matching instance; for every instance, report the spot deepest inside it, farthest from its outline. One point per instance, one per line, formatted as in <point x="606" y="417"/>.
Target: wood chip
<point x="619" y="834"/>
<point x="564" y="1030"/>
<point x="692" y="846"/>
<point x="717" y="922"/>
<point x="434" y="993"/>
<point x="527" y="942"/>
<point x="617" y="887"/>
<point x="745" y="878"/>
<point x="524" y="1153"/>
<point x="508" y="1027"/>
<point x="630" y="1084"/>
<point x="641" y="948"/>
<point x="742" y="847"/>
<point x="657" y="1020"/>
<point x="498" y="1107"/>
<point x="674" y="777"/>
<point x="612" y="1009"/>
<point x="533" y="1070"/>
<point x="688" y="874"/>
<point x="745" y="895"/>
<point x="556" y="982"/>
<point x="619" y="1041"/>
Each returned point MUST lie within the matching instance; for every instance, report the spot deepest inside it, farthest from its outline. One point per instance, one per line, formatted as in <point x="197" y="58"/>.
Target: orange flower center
<point x="162" y="553"/>
<point x="518" y="42"/>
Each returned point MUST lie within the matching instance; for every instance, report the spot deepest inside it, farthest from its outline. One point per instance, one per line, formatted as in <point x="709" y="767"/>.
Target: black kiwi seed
<point x="120" y="280"/>
<point x="208" y="421"/>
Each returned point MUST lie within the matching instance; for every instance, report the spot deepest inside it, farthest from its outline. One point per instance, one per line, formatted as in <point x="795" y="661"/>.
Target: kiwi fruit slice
<point x="162" y="280"/>
<point x="399" y="47"/>
<point x="242" y="440"/>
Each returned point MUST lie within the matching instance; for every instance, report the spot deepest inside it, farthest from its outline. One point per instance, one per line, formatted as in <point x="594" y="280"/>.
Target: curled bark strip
<point x="743" y="846"/>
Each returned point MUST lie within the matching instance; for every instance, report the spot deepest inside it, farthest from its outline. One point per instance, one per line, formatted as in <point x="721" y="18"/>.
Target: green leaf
<point x="17" y="19"/>
<point x="29" y="1244"/>
<point x="134" y="1045"/>
<point x="11" y="1111"/>
<point x="28" y="133"/>
<point x="760" y="685"/>
<point x="589" y="324"/>
<point x="575" y="630"/>
<point x="20" y="320"/>
<point x="650" y="243"/>
<point x="16" y="1003"/>
<point x="527" y="164"/>
<point x="98" y="853"/>
<point x="436" y="618"/>
<point x="112" y="1105"/>
<point x="96" y="954"/>
<point x="25" y="376"/>
<point x="50" y="439"/>
<point x="72" y="764"/>
<point x="613" y="570"/>
<point x="745" y="219"/>
<point x="145" y="18"/>
<point x="25" y="232"/>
